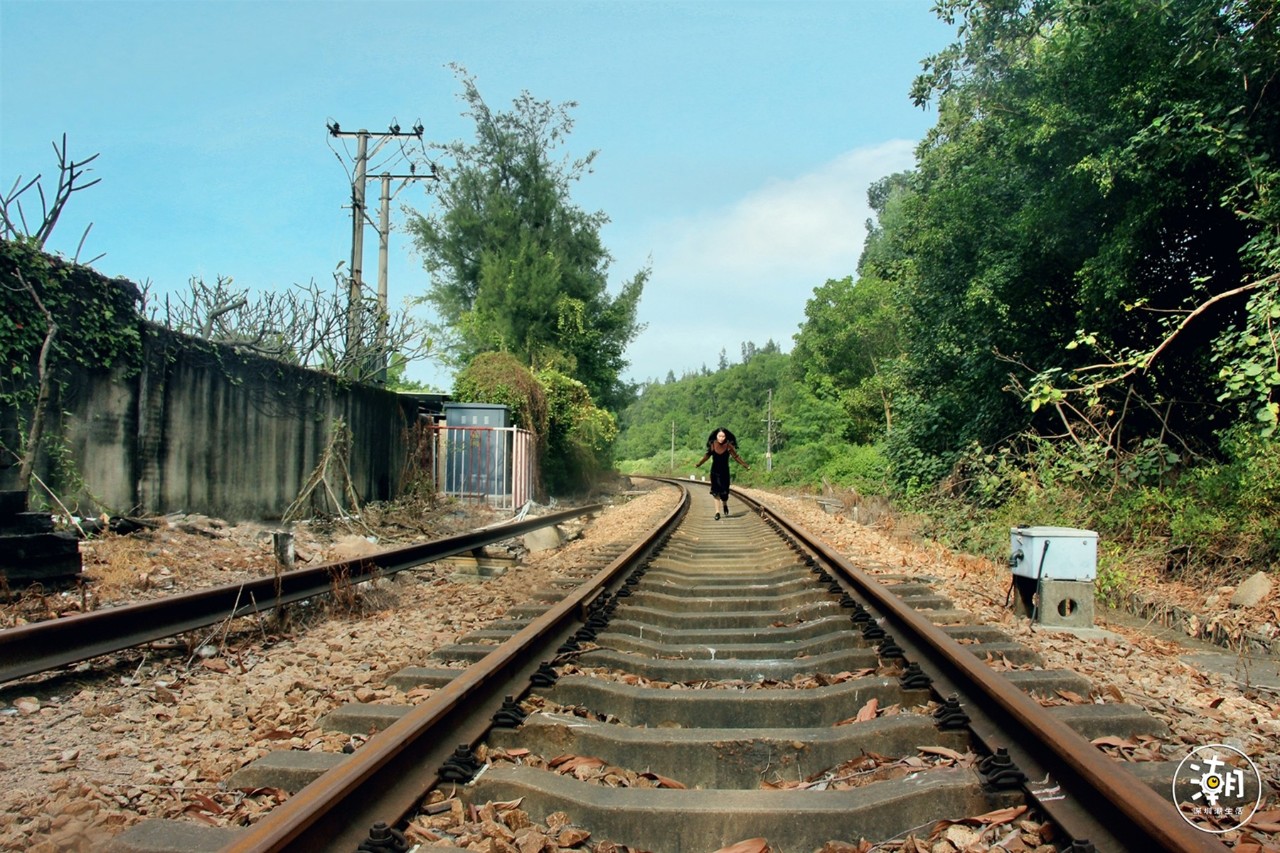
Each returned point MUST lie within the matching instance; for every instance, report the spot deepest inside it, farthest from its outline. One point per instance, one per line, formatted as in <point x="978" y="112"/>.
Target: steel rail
<point x="389" y="775"/>
<point x="42" y="646"/>
<point x="1124" y="810"/>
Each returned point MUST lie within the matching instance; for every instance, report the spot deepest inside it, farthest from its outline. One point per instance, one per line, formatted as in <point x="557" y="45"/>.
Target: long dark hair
<point x="729" y="438"/>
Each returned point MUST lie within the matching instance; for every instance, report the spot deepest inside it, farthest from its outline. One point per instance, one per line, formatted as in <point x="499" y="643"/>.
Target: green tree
<point x="1089" y="217"/>
<point x="848" y="346"/>
<point x="515" y="265"/>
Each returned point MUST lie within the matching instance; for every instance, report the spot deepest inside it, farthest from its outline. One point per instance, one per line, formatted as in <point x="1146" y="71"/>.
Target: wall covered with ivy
<point x="144" y="420"/>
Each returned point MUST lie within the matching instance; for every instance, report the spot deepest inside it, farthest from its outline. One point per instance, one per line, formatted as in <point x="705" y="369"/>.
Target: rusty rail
<point x="43" y="646"/>
<point x="1104" y="803"/>
<point x="392" y="771"/>
<point x="383" y="781"/>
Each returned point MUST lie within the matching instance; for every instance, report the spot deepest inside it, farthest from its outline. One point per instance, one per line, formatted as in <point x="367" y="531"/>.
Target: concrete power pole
<point x="769" y="422"/>
<point x="355" y="294"/>
<point x="380" y="354"/>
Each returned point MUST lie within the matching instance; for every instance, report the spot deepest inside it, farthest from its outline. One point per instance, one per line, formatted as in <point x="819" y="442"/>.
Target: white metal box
<point x="1053" y="553"/>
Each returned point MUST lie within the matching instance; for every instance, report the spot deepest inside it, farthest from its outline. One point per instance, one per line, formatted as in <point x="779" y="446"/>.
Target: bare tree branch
<point x="1201" y="308"/>
<point x="10" y="228"/>
<point x="304" y="325"/>
<point x="36" y="430"/>
<point x="218" y="311"/>
<point x="69" y="172"/>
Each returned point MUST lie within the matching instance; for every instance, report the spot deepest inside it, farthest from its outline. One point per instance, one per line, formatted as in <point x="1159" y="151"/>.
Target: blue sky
<point x="736" y="139"/>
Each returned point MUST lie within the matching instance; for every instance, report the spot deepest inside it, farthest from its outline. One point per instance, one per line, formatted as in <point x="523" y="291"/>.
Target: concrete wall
<point x="197" y="427"/>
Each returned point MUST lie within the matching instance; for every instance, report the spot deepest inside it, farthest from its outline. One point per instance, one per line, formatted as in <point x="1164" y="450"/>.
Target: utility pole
<point x="769" y="422"/>
<point x="673" y="446"/>
<point x="356" y="291"/>
<point x="380" y="353"/>
<point x="355" y="294"/>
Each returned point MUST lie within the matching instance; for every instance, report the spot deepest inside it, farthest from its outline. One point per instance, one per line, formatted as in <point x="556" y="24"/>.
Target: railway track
<point x="43" y="646"/>
<point x="717" y="682"/>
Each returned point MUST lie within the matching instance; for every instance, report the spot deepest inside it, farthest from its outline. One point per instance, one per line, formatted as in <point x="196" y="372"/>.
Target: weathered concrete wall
<point x="201" y="428"/>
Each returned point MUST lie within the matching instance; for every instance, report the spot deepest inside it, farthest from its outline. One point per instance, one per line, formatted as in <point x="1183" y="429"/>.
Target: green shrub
<point x="500" y="379"/>
<point x="1255" y="463"/>
<point x="862" y="467"/>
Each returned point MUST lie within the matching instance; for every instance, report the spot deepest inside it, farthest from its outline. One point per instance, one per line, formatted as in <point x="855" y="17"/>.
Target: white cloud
<point x="744" y="272"/>
<point x="811" y="224"/>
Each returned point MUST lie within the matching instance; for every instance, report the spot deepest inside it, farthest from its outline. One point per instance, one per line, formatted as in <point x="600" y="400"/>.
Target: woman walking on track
<point x="721" y="444"/>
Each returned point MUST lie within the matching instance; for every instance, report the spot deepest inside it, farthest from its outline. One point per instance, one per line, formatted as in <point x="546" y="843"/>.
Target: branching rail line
<point x="43" y="646"/>
<point x="655" y="661"/>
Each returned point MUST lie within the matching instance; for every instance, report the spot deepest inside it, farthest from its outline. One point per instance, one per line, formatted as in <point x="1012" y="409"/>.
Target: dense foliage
<point x="1069" y="311"/>
<point x="500" y="379"/>
<point x="1087" y="224"/>
<point x="579" y="435"/>
<point x="515" y="265"/>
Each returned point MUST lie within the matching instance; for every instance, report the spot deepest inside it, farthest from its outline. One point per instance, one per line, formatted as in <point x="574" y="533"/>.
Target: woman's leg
<point x="720" y="493"/>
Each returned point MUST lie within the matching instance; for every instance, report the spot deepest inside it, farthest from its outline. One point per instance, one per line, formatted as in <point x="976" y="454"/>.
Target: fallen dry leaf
<point x="941" y="750"/>
<point x="663" y="781"/>
<point x="751" y="845"/>
<point x="999" y="816"/>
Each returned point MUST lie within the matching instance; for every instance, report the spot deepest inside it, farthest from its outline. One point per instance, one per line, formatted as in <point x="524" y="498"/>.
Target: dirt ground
<point x="155" y="732"/>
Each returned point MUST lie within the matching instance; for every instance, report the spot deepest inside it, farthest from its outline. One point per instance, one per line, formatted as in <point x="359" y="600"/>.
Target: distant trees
<point x="666" y="428"/>
<point x="515" y="265"/>
<point x="735" y="396"/>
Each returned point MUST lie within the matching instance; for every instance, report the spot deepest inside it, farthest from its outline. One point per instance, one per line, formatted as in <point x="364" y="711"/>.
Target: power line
<point x="358" y="217"/>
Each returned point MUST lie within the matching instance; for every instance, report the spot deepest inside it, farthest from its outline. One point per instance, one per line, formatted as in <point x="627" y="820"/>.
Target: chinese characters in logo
<point x="1217" y="788"/>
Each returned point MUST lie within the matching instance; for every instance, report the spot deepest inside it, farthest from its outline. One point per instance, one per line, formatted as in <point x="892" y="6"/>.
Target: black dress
<point x="720" y="474"/>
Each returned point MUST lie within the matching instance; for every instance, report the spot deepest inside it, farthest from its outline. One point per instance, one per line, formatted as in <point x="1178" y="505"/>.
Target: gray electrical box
<point x="1053" y="553"/>
<point x="478" y="450"/>
<point x="477" y="415"/>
